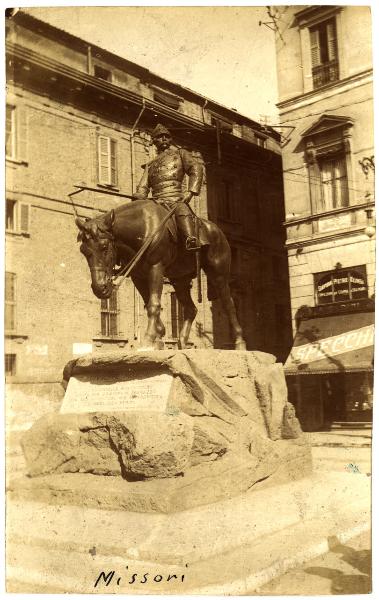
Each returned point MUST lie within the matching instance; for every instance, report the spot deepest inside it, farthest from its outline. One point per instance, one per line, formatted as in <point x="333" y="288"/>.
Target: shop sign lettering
<point x="332" y="346"/>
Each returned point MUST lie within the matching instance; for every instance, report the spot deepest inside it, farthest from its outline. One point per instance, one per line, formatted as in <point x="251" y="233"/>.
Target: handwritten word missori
<point x="111" y="577"/>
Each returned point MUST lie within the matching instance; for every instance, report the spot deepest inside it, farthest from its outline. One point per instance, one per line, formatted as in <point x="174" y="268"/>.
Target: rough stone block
<point x="225" y="427"/>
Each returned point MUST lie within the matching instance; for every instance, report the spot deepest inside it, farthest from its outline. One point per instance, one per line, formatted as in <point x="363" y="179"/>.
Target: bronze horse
<point x="113" y="239"/>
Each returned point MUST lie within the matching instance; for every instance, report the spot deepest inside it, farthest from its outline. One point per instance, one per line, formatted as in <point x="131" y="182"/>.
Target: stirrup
<point x="192" y="244"/>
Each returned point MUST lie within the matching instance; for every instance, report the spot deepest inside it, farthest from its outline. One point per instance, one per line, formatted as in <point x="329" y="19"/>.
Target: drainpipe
<point x="203" y="110"/>
<point x="132" y="153"/>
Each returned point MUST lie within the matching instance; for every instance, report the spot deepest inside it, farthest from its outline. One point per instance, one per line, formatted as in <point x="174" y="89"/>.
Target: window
<point x="102" y="73"/>
<point x="177" y="318"/>
<point x="166" y="98"/>
<point x="107" y="161"/>
<point x="10" y="302"/>
<point x="228" y="209"/>
<point x="10" y="365"/>
<point x="109" y="316"/>
<point x="341" y="285"/>
<point x="334" y="190"/>
<point x="323" y="40"/>
<point x="16" y="133"/>
<point x="10" y="132"/>
<point x="261" y="141"/>
<point x="327" y="145"/>
<point x="16" y="217"/>
<point x="222" y="124"/>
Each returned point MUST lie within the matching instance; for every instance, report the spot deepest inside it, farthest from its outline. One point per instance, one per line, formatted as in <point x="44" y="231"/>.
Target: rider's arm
<point x="143" y="187"/>
<point x="194" y="171"/>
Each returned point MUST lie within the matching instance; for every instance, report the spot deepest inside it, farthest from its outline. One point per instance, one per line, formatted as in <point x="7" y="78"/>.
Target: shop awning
<point x="333" y="344"/>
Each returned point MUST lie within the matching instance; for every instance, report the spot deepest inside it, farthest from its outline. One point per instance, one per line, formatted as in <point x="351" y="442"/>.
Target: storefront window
<point x="341" y="285"/>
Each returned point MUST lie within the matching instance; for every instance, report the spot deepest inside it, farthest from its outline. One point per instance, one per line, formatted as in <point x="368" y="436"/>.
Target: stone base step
<point x="231" y="547"/>
<point x="351" y="425"/>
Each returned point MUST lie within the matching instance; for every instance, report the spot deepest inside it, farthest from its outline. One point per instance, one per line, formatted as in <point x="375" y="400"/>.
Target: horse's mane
<point x="129" y="207"/>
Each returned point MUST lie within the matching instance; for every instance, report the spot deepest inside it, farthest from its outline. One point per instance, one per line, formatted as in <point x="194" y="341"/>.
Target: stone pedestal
<point x="165" y="431"/>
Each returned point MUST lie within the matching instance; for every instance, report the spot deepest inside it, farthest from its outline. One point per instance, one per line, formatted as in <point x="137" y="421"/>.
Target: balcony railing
<point x="325" y="73"/>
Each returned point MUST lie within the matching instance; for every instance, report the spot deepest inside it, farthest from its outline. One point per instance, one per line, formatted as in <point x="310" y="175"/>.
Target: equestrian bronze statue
<point x="156" y="238"/>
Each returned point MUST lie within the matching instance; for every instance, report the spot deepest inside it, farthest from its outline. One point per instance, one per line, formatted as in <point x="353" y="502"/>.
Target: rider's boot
<point x="187" y="227"/>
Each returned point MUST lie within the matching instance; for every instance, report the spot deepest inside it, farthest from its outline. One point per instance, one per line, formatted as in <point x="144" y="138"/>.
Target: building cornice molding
<point x="328" y="213"/>
<point x="311" y="15"/>
<point x="80" y="82"/>
<point x="320" y="94"/>
<point x="330" y="237"/>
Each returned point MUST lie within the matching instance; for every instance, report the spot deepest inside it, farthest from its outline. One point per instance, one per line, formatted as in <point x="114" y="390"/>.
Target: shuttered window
<point x="10" y="132"/>
<point x="16" y="133"/>
<point x="334" y="190"/>
<point x="324" y="55"/>
<point x="17" y="217"/>
<point x="107" y="160"/>
<point x="10" y="302"/>
<point x="109" y="316"/>
<point x="10" y="365"/>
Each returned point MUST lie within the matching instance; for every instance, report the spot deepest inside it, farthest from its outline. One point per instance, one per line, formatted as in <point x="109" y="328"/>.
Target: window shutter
<point x="24" y="217"/>
<point x="22" y="134"/>
<point x="113" y="163"/>
<point x="104" y="160"/>
<point x="327" y="179"/>
<point x="315" y="47"/>
<point x="10" y="301"/>
<point x="340" y="183"/>
<point x="332" y="40"/>
<point x="9" y="129"/>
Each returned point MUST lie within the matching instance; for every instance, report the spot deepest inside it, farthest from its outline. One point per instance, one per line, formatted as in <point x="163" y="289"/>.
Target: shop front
<point x="330" y="367"/>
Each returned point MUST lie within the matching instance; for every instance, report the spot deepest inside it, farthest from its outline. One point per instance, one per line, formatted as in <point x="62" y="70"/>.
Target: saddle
<point x="199" y="227"/>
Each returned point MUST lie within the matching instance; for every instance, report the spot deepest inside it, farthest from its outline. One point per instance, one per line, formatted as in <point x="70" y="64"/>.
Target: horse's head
<point x="98" y="246"/>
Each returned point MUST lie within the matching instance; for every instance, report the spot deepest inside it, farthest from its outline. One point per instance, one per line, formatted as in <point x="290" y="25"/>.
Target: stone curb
<point x="251" y="583"/>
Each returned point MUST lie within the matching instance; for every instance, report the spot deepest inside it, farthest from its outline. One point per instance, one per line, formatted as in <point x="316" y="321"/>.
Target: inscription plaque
<point x="102" y="394"/>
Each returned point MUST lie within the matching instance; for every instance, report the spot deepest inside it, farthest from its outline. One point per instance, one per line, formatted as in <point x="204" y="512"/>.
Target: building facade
<point x="325" y="78"/>
<point x="79" y="115"/>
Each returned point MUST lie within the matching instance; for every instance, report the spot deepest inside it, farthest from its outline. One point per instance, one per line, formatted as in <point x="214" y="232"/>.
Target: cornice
<point x="328" y="213"/>
<point x="321" y="93"/>
<point x="14" y="51"/>
<point x="314" y="241"/>
<point x="83" y="82"/>
<point x="310" y="15"/>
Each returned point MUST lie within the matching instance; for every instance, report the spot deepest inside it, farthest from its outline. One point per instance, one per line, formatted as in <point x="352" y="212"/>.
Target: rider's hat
<point x="159" y="129"/>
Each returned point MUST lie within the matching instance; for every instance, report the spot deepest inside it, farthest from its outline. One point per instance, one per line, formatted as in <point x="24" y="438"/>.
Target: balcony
<point x="325" y="73"/>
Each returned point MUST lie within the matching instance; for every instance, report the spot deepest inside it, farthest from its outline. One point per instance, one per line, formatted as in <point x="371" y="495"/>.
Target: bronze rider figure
<point x="164" y="176"/>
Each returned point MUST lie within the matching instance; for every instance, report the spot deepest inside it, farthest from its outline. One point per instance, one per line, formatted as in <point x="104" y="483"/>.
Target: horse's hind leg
<point x="183" y="293"/>
<point x="221" y="284"/>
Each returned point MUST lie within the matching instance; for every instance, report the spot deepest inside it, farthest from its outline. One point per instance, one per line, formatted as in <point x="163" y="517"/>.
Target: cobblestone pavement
<point x="346" y="569"/>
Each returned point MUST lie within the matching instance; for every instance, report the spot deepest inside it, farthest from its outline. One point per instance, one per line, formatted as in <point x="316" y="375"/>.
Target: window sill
<point x="20" y="339"/>
<point x="106" y="186"/>
<point x="16" y="161"/>
<point x="100" y="340"/>
<point x="17" y="233"/>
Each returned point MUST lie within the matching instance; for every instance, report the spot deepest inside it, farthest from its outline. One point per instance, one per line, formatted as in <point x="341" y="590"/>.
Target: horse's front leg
<point x="155" y="286"/>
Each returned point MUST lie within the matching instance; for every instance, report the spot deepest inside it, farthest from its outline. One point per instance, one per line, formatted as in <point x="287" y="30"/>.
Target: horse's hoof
<point x="240" y="345"/>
